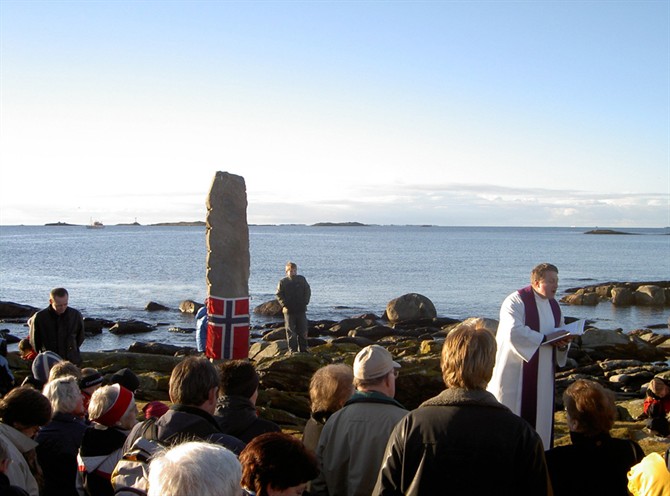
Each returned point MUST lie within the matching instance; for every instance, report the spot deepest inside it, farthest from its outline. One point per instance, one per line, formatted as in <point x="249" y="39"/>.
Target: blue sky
<point x="525" y="113"/>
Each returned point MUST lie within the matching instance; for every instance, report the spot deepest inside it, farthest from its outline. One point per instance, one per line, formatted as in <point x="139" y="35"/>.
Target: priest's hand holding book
<point x="560" y="338"/>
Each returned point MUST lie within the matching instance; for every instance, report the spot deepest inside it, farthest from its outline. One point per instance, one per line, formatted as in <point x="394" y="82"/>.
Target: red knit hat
<point x="117" y="409"/>
<point x="155" y="409"/>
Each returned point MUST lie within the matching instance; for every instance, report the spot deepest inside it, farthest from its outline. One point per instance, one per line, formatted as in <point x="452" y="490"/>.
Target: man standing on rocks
<point x="58" y="328"/>
<point x="352" y="442"/>
<point x="293" y="293"/>
<point x="529" y="348"/>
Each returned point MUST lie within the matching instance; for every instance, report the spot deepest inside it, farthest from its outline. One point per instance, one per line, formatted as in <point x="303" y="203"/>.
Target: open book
<point x="575" y="328"/>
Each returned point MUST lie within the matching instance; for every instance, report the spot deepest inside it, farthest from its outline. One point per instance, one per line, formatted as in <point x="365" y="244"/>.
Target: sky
<point x="478" y="113"/>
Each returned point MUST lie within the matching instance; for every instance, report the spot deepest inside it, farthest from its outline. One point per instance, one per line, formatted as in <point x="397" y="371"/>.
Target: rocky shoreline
<point x="410" y="330"/>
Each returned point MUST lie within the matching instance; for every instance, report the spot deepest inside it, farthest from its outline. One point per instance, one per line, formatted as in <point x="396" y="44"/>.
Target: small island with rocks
<point x="607" y="231"/>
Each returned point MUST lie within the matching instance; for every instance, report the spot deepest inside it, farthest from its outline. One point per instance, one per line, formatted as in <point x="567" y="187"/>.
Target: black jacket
<point x="97" y="446"/>
<point x="63" y="334"/>
<point x="58" y="445"/>
<point x="463" y="442"/>
<point x="293" y="293"/>
<point x="184" y="423"/>
<point x="592" y="465"/>
<point x="236" y="416"/>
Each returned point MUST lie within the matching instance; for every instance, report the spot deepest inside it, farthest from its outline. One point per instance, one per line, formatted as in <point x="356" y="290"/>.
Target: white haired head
<point x="64" y="395"/>
<point x="195" y="467"/>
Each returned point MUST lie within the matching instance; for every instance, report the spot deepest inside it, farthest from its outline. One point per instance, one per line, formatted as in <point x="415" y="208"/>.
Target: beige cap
<point x="372" y="362"/>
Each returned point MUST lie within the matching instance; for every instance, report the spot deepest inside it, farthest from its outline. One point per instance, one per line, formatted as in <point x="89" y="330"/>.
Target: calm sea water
<point x="114" y="272"/>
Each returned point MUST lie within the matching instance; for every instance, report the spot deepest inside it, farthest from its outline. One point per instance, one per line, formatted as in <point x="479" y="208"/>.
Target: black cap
<point x="126" y="378"/>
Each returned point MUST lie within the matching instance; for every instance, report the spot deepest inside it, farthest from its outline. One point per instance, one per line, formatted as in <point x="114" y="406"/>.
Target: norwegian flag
<point x="227" y="328"/>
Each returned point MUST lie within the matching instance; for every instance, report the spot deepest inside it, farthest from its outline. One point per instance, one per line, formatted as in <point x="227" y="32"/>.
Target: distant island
<point x="61" y="224"/>
<point x="197" y="223"/>
<point x="338" y="224"/>
<point x="607" y="231"/>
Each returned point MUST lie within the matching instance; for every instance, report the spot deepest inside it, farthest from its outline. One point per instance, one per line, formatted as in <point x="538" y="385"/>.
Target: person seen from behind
<point x="59" y="440"/>
<point x="464" y="441"/>
<point x="352" y="442"/>
<point x="113" y="413"/>
<point x="650" y="477"/>
<point x="330" y="388"/>
<point x="277" y="464"/>
<point x="595" y="463"/>
<point x="236" y="404"/>
<point x="23" y="411"/>
<point x="26" y="350"/>
<point x="195" y="468"/>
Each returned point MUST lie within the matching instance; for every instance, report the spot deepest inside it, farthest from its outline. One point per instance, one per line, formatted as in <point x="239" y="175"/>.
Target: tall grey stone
<point x="227" y="237"/>
<point x="227" y="269"/>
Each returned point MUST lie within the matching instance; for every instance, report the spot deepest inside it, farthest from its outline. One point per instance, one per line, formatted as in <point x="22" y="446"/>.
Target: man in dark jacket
<point x="293" y="293"/>
<point x="193" y="391"/>
<point x="236" y="406"/>
<point x="58" y="328"/>
<point x="464" y="441"/>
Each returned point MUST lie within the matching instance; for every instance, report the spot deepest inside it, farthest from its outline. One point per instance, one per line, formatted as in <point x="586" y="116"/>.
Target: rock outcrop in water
<point x="655" y="294"/>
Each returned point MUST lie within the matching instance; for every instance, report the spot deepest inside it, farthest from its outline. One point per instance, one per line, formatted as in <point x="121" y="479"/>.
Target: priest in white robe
<point x="523" y="376"/>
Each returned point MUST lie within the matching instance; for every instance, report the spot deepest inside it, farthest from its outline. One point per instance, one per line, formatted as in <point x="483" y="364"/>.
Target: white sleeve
<point x="524" y="341"/>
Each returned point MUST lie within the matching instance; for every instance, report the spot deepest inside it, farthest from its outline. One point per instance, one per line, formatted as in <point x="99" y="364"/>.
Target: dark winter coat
<point x="293" y="294"/>
<point x="58" y="445"/>
<point x="184" y="423"/>
<point x="463" y="442"/>
<point x="100" y="450"/>
<point x="237" y="417"/>
<point x="592" y="465"/>
<point x="63" y="334"/>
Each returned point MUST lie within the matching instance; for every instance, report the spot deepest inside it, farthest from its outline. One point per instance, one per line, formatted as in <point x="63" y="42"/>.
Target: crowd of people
<point x="69" y="431"/>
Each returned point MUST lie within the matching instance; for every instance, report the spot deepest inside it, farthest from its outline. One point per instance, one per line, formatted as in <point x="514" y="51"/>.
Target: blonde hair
<point x="468" y="356"/>
<point x="64" y="369"/>
<point x="330" y="387"/>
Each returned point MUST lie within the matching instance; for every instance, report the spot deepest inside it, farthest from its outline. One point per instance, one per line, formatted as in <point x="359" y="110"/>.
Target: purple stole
<point x="530" y="368"/>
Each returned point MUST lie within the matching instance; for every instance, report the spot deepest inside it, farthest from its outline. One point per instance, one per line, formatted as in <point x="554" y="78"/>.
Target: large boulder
<point x="622" y="297"/>
<point x="581" y="298"/>
<point x="131" y="327"/>
<point x="601" y="344"/>
<point x="411" y="306"/>
<point x="262" y="349"/>
<point x="190" y="306"/>
<point x="10" y="310"/>
<point x="95" y="326"/>
<point x="289" y="373"/>
<point x="652" y="296"/>
<point x="345" y="326"/>
<point x="270" y="308"/>
<point x="373" y="333"/>
<point x="152" y="306"/>
<point x="160" y="349"/>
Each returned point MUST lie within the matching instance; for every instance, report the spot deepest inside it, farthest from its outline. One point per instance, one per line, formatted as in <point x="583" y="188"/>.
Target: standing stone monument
<point x="227" y="268"/>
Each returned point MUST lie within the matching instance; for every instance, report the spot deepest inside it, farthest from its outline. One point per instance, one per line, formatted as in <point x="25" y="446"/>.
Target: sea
<point x="113" y="272"/>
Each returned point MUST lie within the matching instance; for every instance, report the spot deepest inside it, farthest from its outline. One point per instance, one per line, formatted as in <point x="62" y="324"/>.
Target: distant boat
<point x="95" y="225"/>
